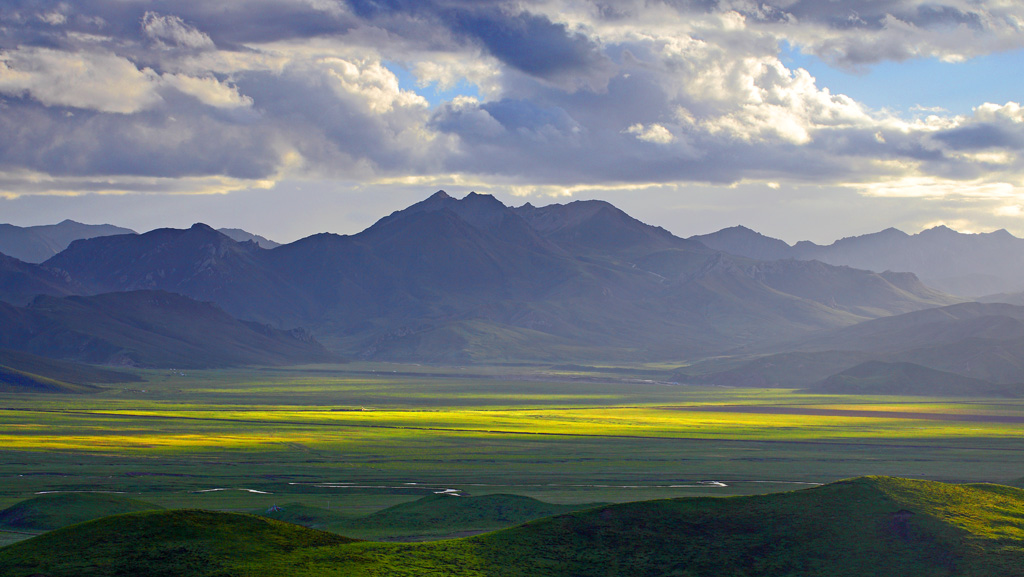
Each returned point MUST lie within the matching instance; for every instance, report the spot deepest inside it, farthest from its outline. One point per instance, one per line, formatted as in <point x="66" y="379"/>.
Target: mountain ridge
<point x="972" y="265"/>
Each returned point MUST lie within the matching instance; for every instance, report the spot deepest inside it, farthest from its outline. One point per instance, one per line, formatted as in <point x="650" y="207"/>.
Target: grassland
<point x="354" y="439"/>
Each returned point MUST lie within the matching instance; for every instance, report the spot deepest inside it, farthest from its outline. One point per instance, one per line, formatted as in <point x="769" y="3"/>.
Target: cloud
<point x="567" y="95"/>
<point x="97" y="81"/>
<point x="207" y="90"/>
<point x="170" y="31"/>
<point x="655" y="133"/>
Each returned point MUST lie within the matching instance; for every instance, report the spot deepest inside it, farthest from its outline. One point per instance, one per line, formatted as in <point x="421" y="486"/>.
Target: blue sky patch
<point x="904" y="86"/>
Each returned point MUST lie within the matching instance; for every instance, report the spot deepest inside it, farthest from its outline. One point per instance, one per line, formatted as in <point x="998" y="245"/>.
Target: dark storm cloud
<point x="66" y="142"/>
<point x="527" y="42"/>
<point x="983" y="136"/>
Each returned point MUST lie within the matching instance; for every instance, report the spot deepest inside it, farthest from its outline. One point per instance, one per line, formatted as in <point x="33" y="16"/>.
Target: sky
<point x="802" y="119"/>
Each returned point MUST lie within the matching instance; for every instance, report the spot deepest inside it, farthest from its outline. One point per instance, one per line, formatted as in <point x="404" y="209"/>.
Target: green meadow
<point x="350" y="440"/>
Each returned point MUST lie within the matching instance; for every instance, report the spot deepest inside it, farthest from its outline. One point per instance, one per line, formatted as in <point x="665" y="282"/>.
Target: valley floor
<point x="357" y="438"/>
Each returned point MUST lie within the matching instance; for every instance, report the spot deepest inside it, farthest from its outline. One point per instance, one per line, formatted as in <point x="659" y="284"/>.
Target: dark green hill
<point x="163" y="544"/>
<point x="881" y="378"/>
<point x="864" y="526"/>
<point x="56" y="510"/>
<point x="440" y="515"/>
<point x="305" y="515"/>
<point x="151" y="329"/>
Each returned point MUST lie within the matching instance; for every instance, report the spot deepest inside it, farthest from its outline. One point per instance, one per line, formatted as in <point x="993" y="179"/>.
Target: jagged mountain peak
<point x="479" y="210"/>
<point x="939" y="229"/>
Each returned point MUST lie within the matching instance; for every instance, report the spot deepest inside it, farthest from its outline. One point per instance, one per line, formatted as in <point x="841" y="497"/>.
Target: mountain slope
<point x="864" y="526"/>
<point x="149" y="328"/>
<point x="881" y="378"/>
<point x="239" y="235"/>
<point x="35" y="244"/>
<point x="973" y="340"/>
<point x="15" y="381"/>
<point x="68" y="372"/>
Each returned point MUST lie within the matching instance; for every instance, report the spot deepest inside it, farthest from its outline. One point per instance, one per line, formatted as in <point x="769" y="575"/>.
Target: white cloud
<point x="371" y="82"/>
<point x="207" y="90"/>
<point x="1011" y="111"/>
<point x="171" y="31"/>
<point x="96" y="81"/>
<point x="655" y="133"/>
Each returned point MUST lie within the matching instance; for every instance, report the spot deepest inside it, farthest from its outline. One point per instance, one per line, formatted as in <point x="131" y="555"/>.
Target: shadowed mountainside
<point x="150" y="329"/>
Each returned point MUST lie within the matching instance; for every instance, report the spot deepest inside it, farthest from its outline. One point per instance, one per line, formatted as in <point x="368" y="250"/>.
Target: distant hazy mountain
<point x="965" y="264"/>
<point x="37" y="243"/>
<point x="240" y="235"/>
<point x="21" y="281"/>
<point x="980" y="341"/>
<point x="882" y="378"/>
<point x="472" y="279"/>
<point x="149" y="329"/>
<point x="198" y="262"/>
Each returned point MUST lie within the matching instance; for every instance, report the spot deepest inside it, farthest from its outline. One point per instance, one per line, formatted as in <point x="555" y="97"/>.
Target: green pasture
<point x="354" y="439"/>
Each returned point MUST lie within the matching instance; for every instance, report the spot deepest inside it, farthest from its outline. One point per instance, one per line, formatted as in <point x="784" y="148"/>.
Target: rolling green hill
<point x="439" y="515"/>
<point x="56" y="510"/>
<point x="863" y="526"/>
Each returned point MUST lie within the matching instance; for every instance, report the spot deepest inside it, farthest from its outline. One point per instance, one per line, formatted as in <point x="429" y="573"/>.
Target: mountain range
<point x="462" y="280"/>
<point x="34" y="244"/>
<point x="971" y="265"/>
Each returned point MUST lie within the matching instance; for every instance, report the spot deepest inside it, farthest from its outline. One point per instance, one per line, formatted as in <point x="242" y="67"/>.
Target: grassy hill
<point x="440" y="515"/>
<point x="56" y="510"/>
<point x="863" y="526"/>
